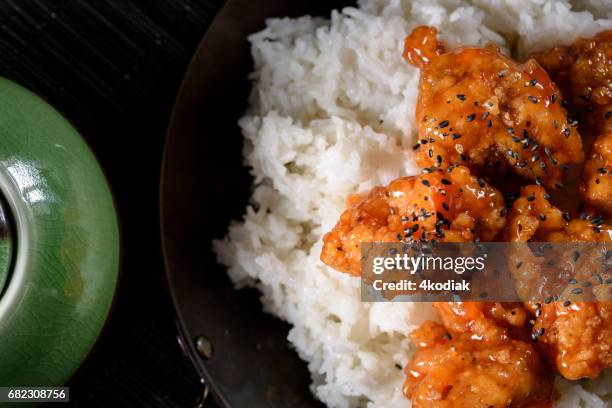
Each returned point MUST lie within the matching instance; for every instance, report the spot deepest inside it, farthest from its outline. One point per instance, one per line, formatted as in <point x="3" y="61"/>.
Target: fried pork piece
<point x="472" y="362"/>
<point x="532" y="216"/>
<point x="480" y="108"/>
<point x="584" y="71"/>
<point x="484" y="320"/>
<point x="596" y="184"/>
<point x="575" y="336"/>
<point x="450" y="205"/>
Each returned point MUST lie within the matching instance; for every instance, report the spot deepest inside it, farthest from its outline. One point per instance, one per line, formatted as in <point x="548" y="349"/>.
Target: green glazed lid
<point x="59" y="243"/>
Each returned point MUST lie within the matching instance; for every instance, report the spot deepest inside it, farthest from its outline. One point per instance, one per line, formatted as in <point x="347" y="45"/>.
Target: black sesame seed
<point x="443" y="124"/>
<point x="481" y="182"/>
<point x="531" y="197"/>
<point x="566" y="132"/>
<point x="532" y="99"/>
<point x="456" y="136"/>
<point x="510" y="130"/>
<point x="597" y="181"/>
<point x="485" y="115"/>
<point x="430" y="153"/>
<point x="542" y="217"/>
<point x="521" y="164"/>
<point x="553" y="98"/>
<point x="559" y="185"/>
<point x="461" y="97"/>
<point x="575" y="255"/>
<point x="586" y="284"/>
<point x="577" y="291"/>
<point x="565" y="103"/>
<point x="608" y="114"/>
<point x="533" y="82"/>
<point x="602" y="170"/>
<point x="489" y="123"/>
<point x="425" y="183"/>
<point x="519" y="264"/>
<point x="567" y="303"/>
<point x="548" y="300"/>
<point x="446" y="182"/>
<point x="446" y="207"/>
<point x="566" y="216"/>
<point x="471" y="117"/>
<point x="546" y="196"/>
<point x="538" y="179"/>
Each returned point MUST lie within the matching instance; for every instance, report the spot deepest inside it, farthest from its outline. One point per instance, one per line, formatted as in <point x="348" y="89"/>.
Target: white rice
<point x="332" y="113"/>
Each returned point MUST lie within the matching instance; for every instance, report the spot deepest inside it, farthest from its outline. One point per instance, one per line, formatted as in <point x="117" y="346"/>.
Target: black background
<point x="113" y="68"/>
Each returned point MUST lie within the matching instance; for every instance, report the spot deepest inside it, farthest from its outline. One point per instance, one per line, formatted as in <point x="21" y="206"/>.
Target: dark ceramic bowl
<point x="243" y="356"/>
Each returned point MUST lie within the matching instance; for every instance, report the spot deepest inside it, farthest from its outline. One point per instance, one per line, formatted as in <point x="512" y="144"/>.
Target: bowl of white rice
<point x="278" y="120"/>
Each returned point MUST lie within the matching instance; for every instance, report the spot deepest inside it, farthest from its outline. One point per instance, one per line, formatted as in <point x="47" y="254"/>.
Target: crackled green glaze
<point x="66" y="243"/>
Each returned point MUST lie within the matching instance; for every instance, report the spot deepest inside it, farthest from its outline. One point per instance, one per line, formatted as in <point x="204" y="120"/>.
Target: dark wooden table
<point x="113" y="68"/>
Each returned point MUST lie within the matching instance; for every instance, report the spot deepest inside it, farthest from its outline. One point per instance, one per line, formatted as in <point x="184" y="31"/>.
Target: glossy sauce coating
<point x="596" y="183"/>
<point x="533" y="218"/>
<point x="450" y="206"/>
<point x="472" y="360"/>
<point x="491" y="321"/>
<point x="482" y="109"/>
<point x="532" y="215"/>
<point x="584" y="70"/>
<point x="575" y="336"/>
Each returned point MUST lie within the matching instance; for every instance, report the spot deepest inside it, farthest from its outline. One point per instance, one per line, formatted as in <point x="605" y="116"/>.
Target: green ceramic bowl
<point x="59" y="243"/>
